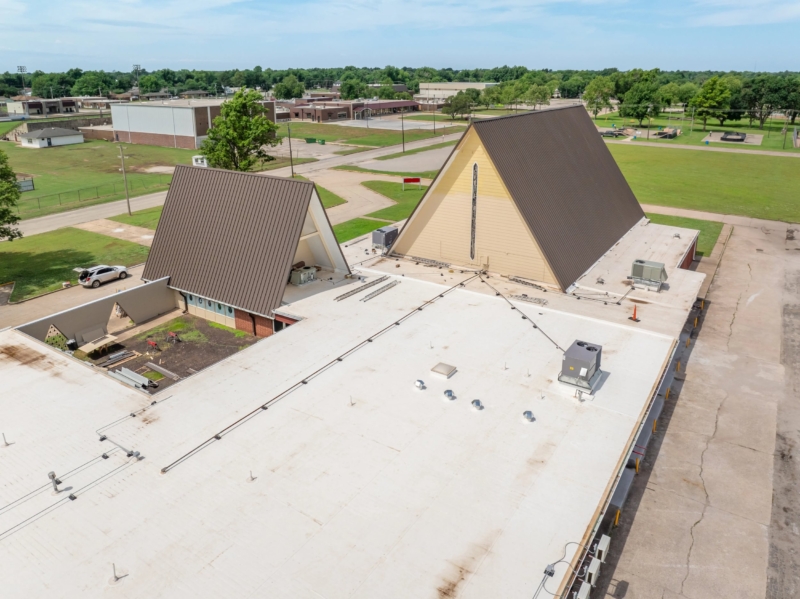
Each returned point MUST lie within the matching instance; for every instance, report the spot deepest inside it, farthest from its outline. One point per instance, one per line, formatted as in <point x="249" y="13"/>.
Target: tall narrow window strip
<point x="474" y="210"/>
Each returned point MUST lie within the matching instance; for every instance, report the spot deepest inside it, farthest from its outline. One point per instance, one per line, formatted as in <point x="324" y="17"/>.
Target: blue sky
<point x="223" y="34"/>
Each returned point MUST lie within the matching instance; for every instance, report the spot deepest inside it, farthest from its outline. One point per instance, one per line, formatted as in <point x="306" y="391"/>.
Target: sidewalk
<point x="651" y="144"/>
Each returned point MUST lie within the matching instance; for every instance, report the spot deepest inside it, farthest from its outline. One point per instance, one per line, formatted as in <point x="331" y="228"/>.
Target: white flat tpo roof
<point x="363" y="485"/>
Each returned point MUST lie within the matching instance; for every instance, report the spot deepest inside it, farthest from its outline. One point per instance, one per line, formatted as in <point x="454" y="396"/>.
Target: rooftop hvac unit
<point x="581" y="365"/>
<point x="593" y="572"/>
<point x="301" y="276"/>
<point x="583" y="592"/>
<point x="648" y="273"/>
<point x="602" y="548"/>
<point x="199" y="161"/>
<point x="384" y="237"/>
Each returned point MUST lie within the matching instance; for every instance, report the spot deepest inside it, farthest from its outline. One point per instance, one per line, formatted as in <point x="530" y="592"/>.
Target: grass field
<point x="726" y="183"/>
<point x="377" y="138"/>
<point x="40" y="263"/>
<point x="693" y="135"/>
<point x="356" y="228"/>
<point x="709" y="230"/>
<point x="147" y="218"/>
<point x="326" y="196"/>
<point x="417" y="150"/>
<point x="358" y="169"/>
<point x="7" y="126"/>
<point x="406" y="200"/>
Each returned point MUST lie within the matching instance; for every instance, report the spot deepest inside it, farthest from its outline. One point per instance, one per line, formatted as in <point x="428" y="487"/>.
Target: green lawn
<point x="406" y="200"/>
<point x="709" y="230"/>
<point x="444" y="119"/>
<point x="694" y="135"/>
<point x="328" y="198"/>
<point x="351" y="151"/>
<point x="40" y="263"/>
<point x="726" y="183"/>
<point x="358" y="169"/>
<point x="377" y="138"/>
<point x="417" y="150"/>
<point x="356" y="228"/>
<point x="147" y="218"/>
<point x="7" y="126"/>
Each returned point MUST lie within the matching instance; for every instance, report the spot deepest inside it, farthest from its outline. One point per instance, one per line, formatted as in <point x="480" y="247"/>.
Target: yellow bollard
<point x="654" y="426"/>
<point x="667" y="394"/>
<point x="616" y="519"/>
<point x="688" y="340"/>
<point x="695" y="322"/>
<point x="702" y="304"/>
<point x="678" y="366"/>
<point x="637" y="465"/>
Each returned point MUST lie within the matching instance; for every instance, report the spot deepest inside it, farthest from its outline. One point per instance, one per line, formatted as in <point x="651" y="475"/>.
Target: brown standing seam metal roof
<point x="564" y="181"/>
<point x="566" y="185"/>
<point x="230" y="237"/>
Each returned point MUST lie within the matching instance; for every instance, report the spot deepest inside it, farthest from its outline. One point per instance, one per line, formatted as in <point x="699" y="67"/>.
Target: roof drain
<point x="185" y="302"/>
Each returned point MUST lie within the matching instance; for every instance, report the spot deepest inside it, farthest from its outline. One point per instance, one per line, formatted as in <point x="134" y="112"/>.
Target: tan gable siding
<point x="440" y="229"/>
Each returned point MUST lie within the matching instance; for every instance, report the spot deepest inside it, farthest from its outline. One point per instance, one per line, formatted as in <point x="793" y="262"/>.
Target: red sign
<point x="411" y="180"/>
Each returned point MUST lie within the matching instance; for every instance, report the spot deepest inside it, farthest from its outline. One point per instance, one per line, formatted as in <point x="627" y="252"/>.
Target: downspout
<point x="185" y="302"/>
<point x="253" y="318"/>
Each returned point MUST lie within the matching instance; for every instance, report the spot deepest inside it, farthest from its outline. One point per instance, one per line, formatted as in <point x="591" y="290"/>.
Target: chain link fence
<point x="136" y="187"/>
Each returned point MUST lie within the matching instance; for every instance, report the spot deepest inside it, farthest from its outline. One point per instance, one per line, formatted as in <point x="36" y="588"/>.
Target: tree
<point x="670" y="93"/>
<point x="713" y="98"/>
<point x="386" y="92"/>
<point x="598" y="94"/>
<point x="150" y="84"/>
<point x="474" y="95"/>
<point x="91" y="84"/>
<point x="289" y="88"/>
<point x="459" y="104"/>
<point x="352" y="89"/>
<point x="686" y="92"/>
<point x="537" y="94"/>
<point x="9" y="195"/>
<point x="736" y="107"/>
<point x="641" y="102"/>
<point x="763" y="95"/>
<point x="241" y="134"/>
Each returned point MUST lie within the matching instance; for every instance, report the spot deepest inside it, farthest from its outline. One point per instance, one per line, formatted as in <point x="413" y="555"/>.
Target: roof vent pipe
<point x="528" y="416"/>
<point x="476" y="403"/>
<point x="419" y="385"/>
<point x="449" y="395"/>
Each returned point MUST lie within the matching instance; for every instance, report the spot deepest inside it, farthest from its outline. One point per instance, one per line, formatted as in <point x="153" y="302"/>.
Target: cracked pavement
<point x="714" y="511"/>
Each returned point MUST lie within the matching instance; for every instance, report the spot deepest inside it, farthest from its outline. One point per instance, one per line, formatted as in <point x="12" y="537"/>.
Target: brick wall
<point x="156" y="139"/>
<point x="264" y="326"/>
<point x="687" y="261"/>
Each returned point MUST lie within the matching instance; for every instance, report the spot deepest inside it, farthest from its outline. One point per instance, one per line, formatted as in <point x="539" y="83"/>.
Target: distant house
<point x="162" y="95"/>
<point x="41" y="106"/>
<point x="230" y="242"/>
<point x="194" y="93"/>
<point x="54" y="136"/>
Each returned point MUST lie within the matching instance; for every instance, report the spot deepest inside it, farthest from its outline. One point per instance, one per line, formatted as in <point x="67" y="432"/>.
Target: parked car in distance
<point x="95" y="276"/>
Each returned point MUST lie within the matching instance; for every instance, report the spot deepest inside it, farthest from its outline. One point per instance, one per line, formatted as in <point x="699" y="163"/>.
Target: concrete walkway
<point x="71" y="218"/>
<point x="714" y="510"/>
<point x="33" y="309"/>
<point x="704" y="148"/>
<point x="112" y="228"/>
<point x="360" y="199"/>
<point x="730" y="219"/>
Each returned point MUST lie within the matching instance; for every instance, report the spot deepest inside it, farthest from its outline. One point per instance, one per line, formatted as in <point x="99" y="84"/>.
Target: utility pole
<point x="125" y="178"/>
<point x="22" y="71"/>
<point x="291" y="160"/>
<point x="403" y="127"/>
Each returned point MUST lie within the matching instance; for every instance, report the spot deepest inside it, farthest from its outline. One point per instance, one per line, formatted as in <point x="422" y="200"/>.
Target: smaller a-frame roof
<point x="564" y="182"/>
<point x="230" y="236"/>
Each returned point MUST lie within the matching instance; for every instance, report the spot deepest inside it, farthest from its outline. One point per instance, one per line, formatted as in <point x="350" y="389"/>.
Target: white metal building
<point x="54" y="136"/>
<point x="444" y="90"/>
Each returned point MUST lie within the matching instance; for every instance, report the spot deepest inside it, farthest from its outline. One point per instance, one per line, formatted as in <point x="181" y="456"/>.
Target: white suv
<point x="93" y="277"/>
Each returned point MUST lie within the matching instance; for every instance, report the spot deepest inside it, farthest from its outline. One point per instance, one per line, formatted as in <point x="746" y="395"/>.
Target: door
<point x="49" y="142"/>
<point x="104" y="274"/>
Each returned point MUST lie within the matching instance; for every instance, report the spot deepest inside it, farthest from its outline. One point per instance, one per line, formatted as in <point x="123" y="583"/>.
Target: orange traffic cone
<point x="633" y="318"/>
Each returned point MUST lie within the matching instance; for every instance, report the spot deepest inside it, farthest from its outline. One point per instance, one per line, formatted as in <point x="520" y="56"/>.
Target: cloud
<point x="736" y="13"/>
